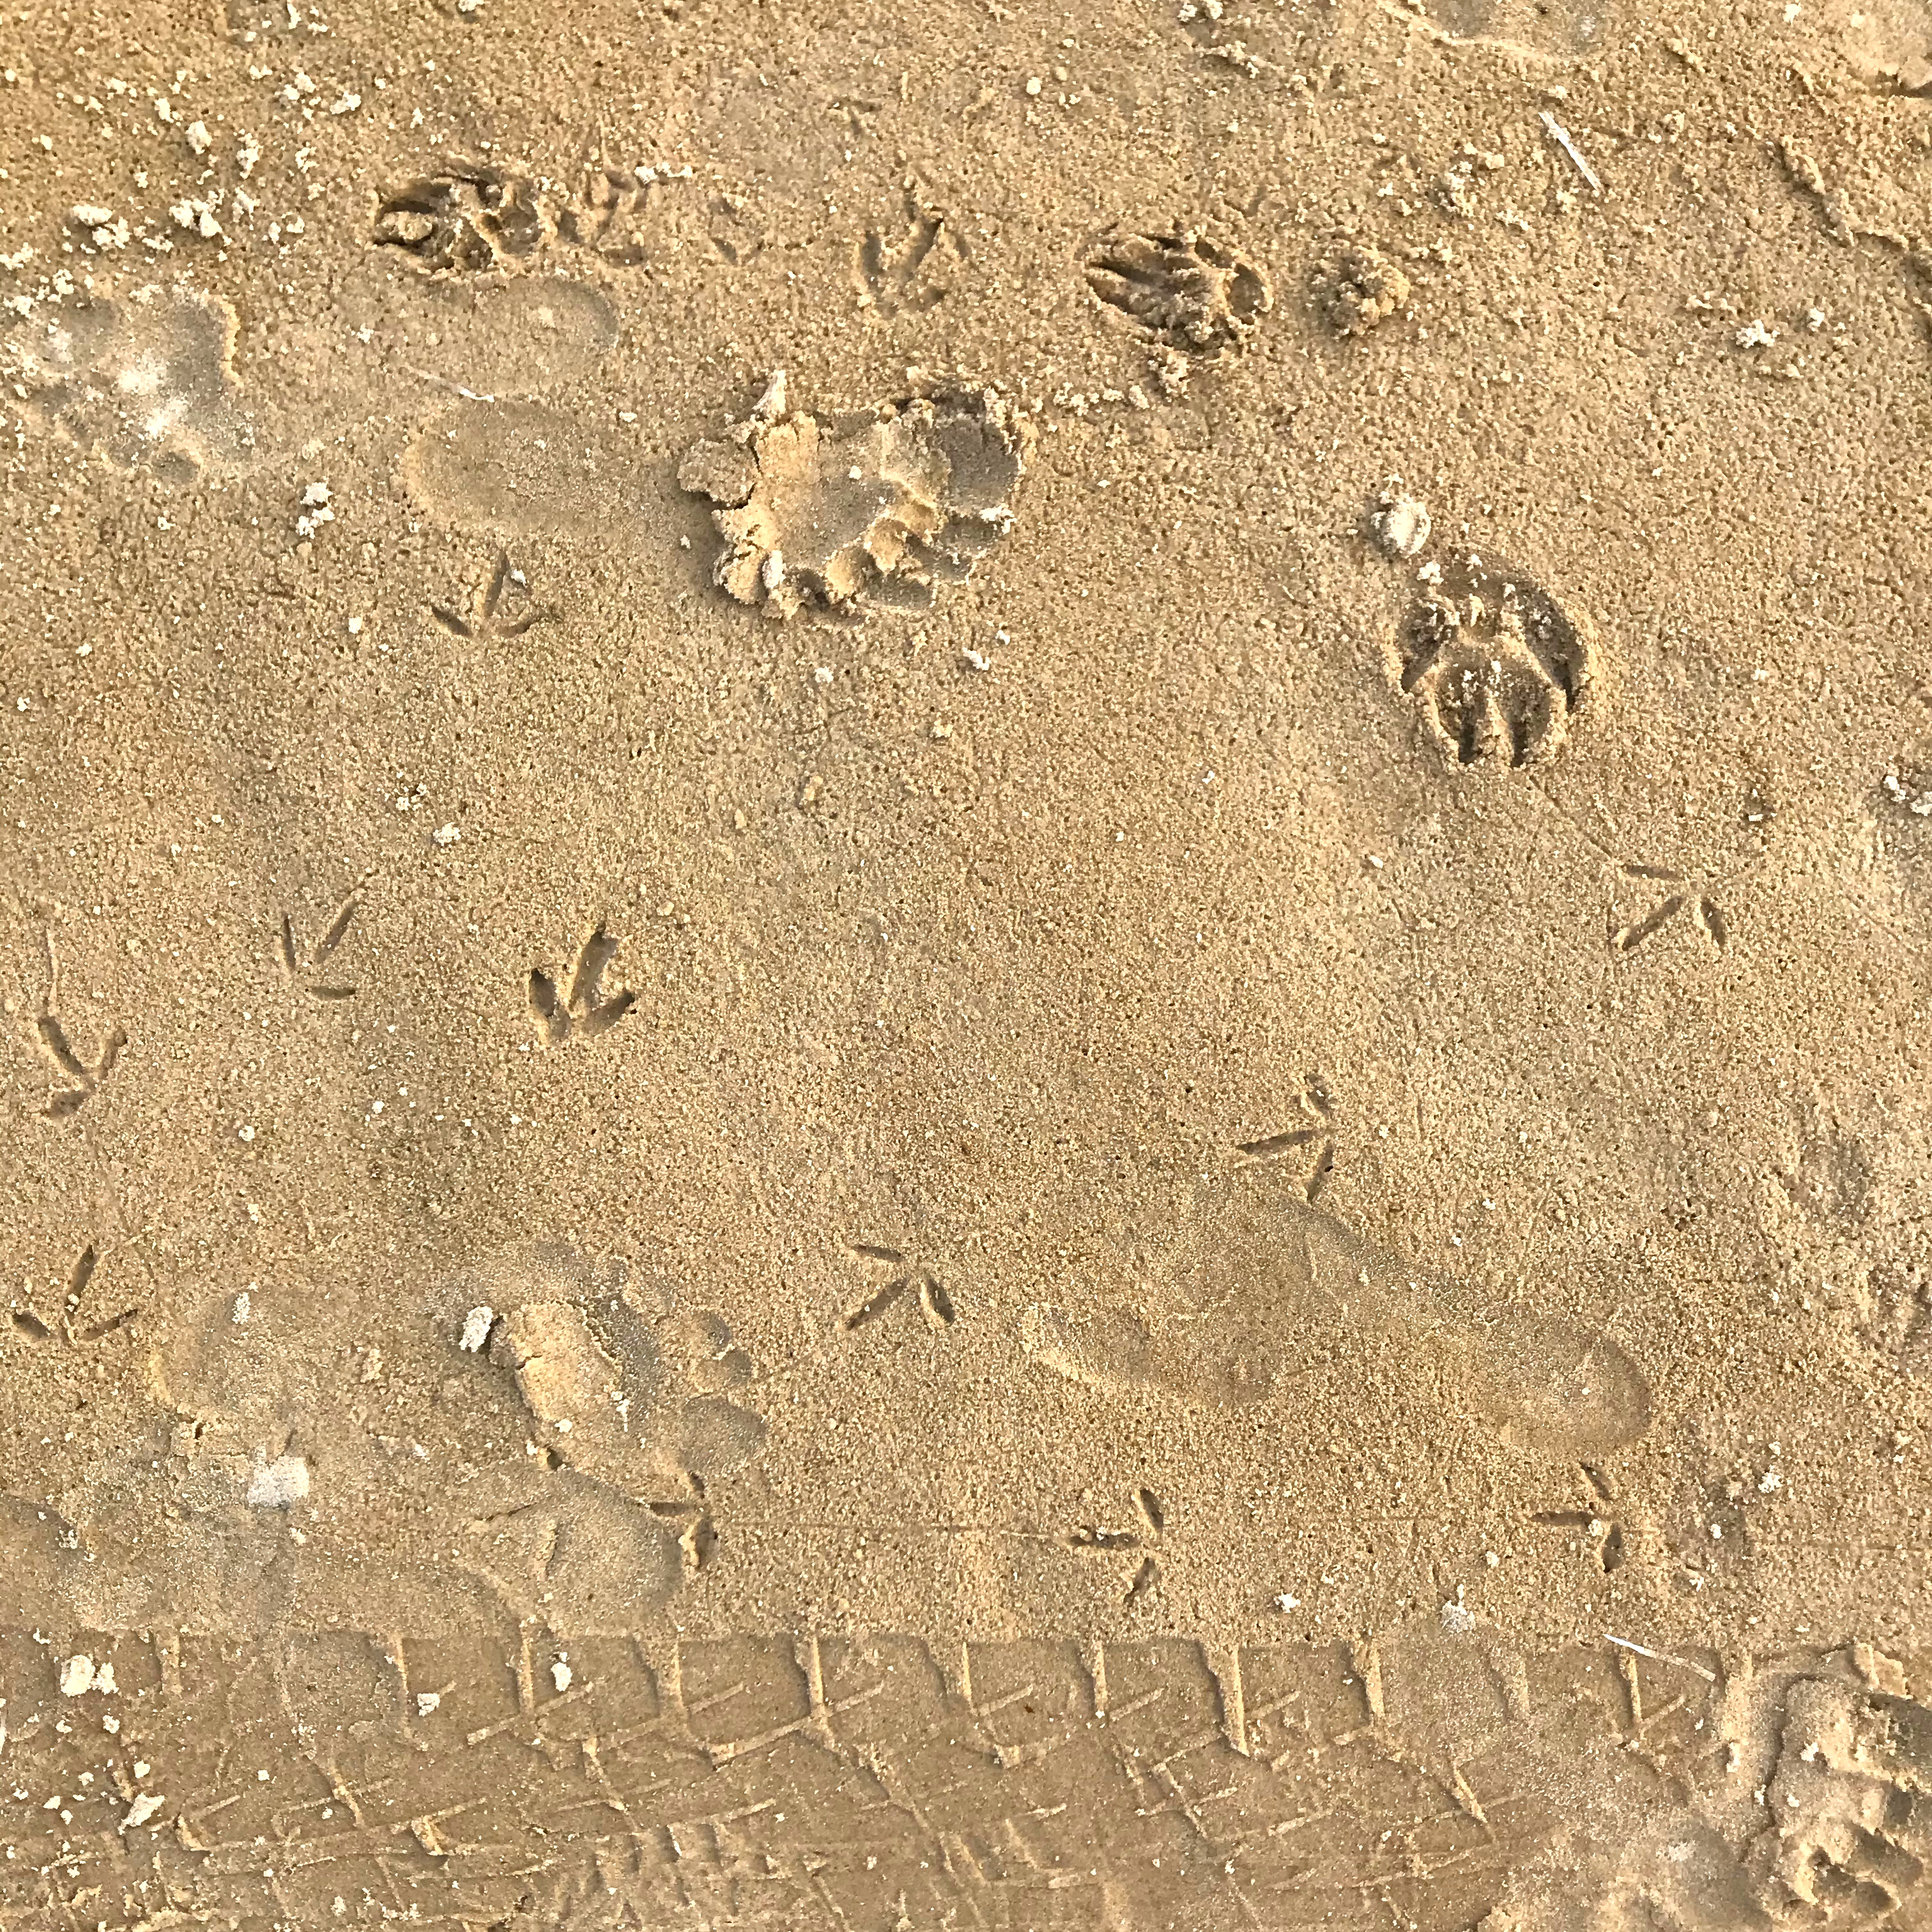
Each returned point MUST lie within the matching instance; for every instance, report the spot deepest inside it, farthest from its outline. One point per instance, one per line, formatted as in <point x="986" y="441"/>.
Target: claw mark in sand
<point x="584" y="1008"/>
<point x="87" y="1076"/>
<point x="299" y="968"/>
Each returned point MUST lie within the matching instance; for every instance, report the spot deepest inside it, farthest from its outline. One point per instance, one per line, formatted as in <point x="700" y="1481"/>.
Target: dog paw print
<point x="502" y="607"/>
<point x="1496" y="664"/>
<point x="86" y="1075"/>
<point x="912" y="270"/>
<point x="907" y="1281"/>
<point x="585" y="1008"/>
<point x="75" y="1323"/>
<point x="462" y="221"/>
<point x="608" y="218"/>
<point x="1850" y="1842"/>
<point x="302" y="968"/>
<point x="1187" y="293"/>
<point x="881" y="505"/>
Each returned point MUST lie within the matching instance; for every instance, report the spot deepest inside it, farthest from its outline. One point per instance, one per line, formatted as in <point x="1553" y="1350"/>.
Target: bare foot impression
<point x="1252" y="1282"/>
<point x="628" y="1392"/>
<point x="880" y="506"/>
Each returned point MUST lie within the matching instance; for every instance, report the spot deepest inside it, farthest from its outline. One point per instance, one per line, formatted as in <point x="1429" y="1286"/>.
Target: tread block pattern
<point x="513" y="1779"/>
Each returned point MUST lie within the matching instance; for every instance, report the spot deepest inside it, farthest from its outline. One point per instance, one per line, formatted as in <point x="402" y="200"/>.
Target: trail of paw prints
<point x="628" y="1388"/>
<point x="575" y="1002"/>
<point x="84" y="1076"/>
<point x="146" y="379"/>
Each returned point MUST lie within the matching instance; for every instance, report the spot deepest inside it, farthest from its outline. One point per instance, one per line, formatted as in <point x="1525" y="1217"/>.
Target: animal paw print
<point x="609" y="220"/>
<point x="584" y="1009"/>
<point x="463" y="221"/>
<point x="1200" y="298"/>
<point x="883" y="505"/>
<point x="914" y="271"/>
<point x="87" y="1076"/>
<point x="75" y="1327"/>
<point x="1851" y="1843"/>
<point x="935" y="1304"/>
<point x="297" y="968"/>
<point x="1497" y="666"/>
<point x="502" y="609"/>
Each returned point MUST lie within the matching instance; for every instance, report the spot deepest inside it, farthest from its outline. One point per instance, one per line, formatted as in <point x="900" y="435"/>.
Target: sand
<point x="966" y="968"/>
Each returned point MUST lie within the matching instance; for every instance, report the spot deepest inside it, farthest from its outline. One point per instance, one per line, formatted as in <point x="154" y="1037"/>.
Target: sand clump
<point x="1357" y="288"/>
